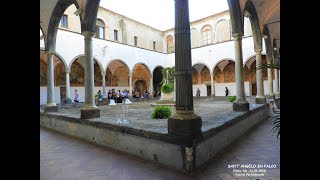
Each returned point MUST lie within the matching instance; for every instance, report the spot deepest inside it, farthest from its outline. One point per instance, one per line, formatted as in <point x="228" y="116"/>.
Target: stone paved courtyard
<point x="65" y="158"/>
<point x="213" y="111"/>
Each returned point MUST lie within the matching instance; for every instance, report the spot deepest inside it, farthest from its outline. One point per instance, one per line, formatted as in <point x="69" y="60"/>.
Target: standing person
<point x="198" y="92"/>
<point x="227" y="91"/>
<point x="99" y="95"/>
<point x="76" y="96"/>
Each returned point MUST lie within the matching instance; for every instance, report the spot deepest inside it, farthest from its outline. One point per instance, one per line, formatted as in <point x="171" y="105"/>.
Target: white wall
<point x="221" y="88"/>
<point x="43" y="95"/>
<point x="202" y="87"/>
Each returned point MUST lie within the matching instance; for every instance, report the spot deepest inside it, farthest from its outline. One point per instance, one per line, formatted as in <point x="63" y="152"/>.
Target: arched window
<point x="222" y="31"/>
<point x="100" y="26"/>
<point x="206" y="35"/>
<point x="170" y="45"/>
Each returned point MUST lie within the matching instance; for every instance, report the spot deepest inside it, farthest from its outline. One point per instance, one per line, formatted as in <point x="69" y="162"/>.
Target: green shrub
<point x="161" y="112"/>
<point x="167" y="88"/>
<point x="232" y="98"/>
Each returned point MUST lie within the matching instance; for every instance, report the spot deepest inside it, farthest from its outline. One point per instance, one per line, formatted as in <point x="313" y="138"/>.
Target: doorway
<point x="208" y="90"/>
<point x="254" y="89"/>
<point x="62" y="93"/>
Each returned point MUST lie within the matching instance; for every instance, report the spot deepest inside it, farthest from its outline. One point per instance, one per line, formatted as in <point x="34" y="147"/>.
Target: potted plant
<point x="167" y="89"/>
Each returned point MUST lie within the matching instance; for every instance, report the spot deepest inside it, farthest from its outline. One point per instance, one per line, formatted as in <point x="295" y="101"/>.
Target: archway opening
<point x="157" y="79"/>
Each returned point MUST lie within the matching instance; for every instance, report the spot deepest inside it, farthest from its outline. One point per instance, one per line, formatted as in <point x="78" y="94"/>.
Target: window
<point x="100" y="26"/>
<point x="116" y="35"/>
<point x="170" y="44"/>
<point x="135" y="41"/>
<point x="64" y="21"/>
<point x="206" y="35"/>
<point x="154" y="45"/>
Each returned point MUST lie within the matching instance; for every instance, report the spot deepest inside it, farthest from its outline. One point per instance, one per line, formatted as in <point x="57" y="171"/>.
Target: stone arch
<point x="44" y="36"/>
<point x="221" y="60"/>
<point x="224" y="71"/>
<point x="236" y="17"/>
<point x="56" y="15"/>
<point x="141" y="71"/>
<point x="117" y="73"/>
<point x="82" y="55"/>
<point x="195" y="77"/>
<point x="157" y="77"/>
<point x="251" y="13"/>
<point x="222" y="31"/>
<point x="77" y="73"/>
<point x="202" y="63"/>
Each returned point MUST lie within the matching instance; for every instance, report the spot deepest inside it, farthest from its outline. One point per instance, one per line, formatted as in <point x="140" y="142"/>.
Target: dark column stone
<point x="51" y="108"/>
<point x="90" y="113"/>
<point x="184" y="123"/>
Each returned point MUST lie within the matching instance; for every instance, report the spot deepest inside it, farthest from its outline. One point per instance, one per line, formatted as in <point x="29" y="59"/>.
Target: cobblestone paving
<point x="66" y="158"/>
<point x="213" y="112"/>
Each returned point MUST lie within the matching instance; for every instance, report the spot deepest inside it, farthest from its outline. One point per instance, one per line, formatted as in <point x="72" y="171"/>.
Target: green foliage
<point x="275" y="123"/>
<point x="167" y="88"/>
<point x="232" y="98"/>
<point x="171" y="71"/>
<point x="271" y="64"/>
<point x="161" y="112"/>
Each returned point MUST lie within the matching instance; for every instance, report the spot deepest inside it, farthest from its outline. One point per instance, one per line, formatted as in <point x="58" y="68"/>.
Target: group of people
<point x="118" y="95"/>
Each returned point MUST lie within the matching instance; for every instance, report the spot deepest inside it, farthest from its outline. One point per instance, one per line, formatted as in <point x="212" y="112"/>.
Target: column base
<point x="68" y="101"/>
<point x="277" y="94"/>
<point x="51" y="109"/>
<point x="241" y="106"/>
<point x="213" y="95"/>
<point x="260" y="100"/>
<point x="90" y="113"/>
<point x="271" y="96"/>
<point x="185" y="128"/>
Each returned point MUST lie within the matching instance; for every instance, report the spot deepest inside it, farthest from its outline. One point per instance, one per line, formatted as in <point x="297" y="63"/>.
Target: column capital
<point x="237" y="36"/>
<point x="258" y="51"/>
<point x="67" y="71"/>
<point x="51" y="52"/>
<point x="88" y="34"/>
<point x="103" y="74"/>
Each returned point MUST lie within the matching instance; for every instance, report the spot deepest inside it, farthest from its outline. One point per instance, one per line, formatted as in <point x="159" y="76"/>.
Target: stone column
<point x="89" y="109"/>
<point x="260" y="99"/>
<point x="184" y="124"/>
<point x="51" y="105"/>
<point x="104" y="90"/>
<point x="151" y="85"/>
<point x="276" y="77"/>
<point x="130" y="85"/>
<point x="240" y="104"/>
<point x="68" y="98"/>
<point x="270" y="81"/>
<point x="212" y="86"/>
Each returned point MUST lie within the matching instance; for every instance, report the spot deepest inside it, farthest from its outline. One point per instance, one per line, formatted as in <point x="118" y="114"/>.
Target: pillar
<point x="270" y="81"/>
<point x="104" y="90"/>
<point x="51" y="105"/>
<point x="185" y="125"/>
<point x="151" y="85"/>
<point x="212" y="85"/>
<point x="240" y="104"/>
<point x="260" y="99"/>
<point x="276" y="76"/>
<point x="130" y="85"/>
<point x="68" y="98"/>
<point x="89" y="109"/>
